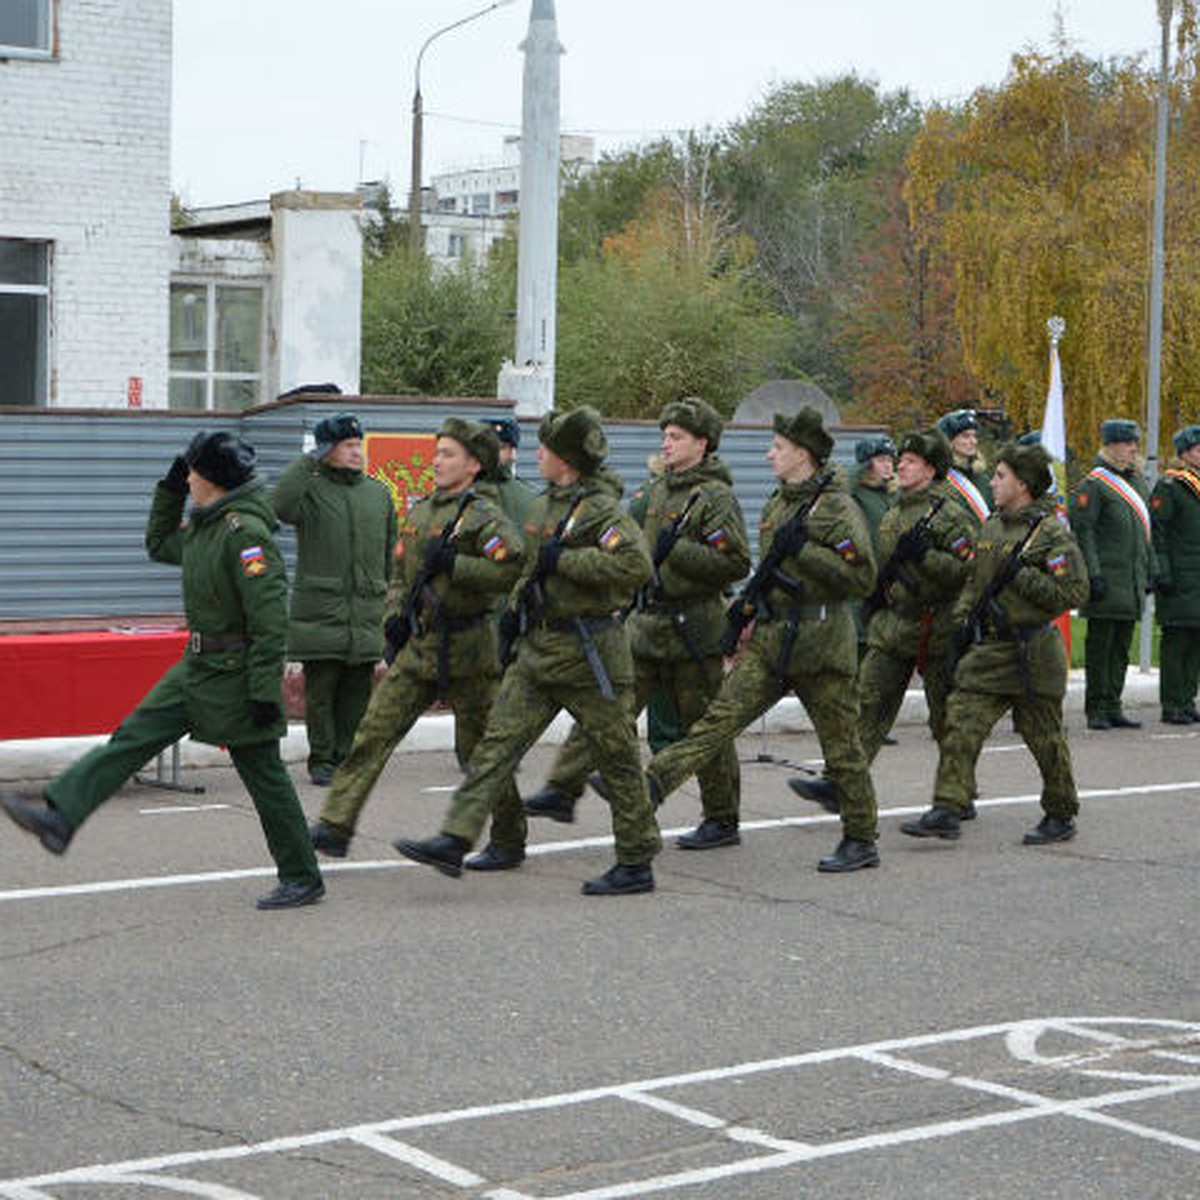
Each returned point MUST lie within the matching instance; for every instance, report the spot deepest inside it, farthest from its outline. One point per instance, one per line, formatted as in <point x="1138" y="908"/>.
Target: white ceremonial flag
<point x="1054" y="425"/>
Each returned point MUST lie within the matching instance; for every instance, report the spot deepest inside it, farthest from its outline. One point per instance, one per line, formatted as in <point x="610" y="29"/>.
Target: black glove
<point x="663" y="544"/>
<point x="439" y="557"/>
<point x="1097" y="587"/>
<point x="176" y="479"/>
<point x="793" y="543"/>
<point x="548" y="556"/>
<point x="263" y="713"/>
<point x="910" y="548"/>
<point x="964" y="639"/>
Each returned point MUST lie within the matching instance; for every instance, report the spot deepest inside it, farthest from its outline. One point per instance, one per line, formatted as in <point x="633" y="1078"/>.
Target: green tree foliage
<point x="809" y="175"/>
<point x="434" y="333"/>
<point x="670" y="306"/>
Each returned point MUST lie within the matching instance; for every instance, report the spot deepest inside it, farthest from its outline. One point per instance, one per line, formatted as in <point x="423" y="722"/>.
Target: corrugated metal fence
<point x="75" y="488"/>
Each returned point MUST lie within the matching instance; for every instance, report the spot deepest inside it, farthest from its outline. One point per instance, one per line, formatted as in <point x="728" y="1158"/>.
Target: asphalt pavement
<point x="972" y="1019"/>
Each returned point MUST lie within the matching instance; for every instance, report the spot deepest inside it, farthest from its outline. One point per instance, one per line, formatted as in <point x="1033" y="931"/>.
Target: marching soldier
<point x="1028" y="569"/>
<point x="457" y="552"/>
<point x="1175" y="517"/>
<point x="694" y="523"/>
<point x="803" y="636"/>
<point x="586" y="562"/>
<point x="1111" y="519"/>
<point x="874" y="486"/>
<point x="228" y="688"/>
<point x="966" y="473"/>
<point x="345" y="535"/>
<point x="515" y="494"/>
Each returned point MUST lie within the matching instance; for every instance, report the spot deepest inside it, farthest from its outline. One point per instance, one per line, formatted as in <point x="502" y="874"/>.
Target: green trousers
<point x="1106" y="660"/>
<point x="687" y="687"/>
<point x="528" y="700"/>
<point x="160" y="720"/>
<point x="1179" y="675"/>
<point x="336" y="695"/>
<point x="883" y="679"/>
<point x="402" y="696"/>
<point x="970" y="717"/>
<point x="749" y="690"/>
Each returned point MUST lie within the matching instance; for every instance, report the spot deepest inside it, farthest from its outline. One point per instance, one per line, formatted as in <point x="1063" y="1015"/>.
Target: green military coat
<point x="874" y="499"/>
<point x="514" y="494"/>
<point x="1115" y="541"/>
<point x="234" y="586"/>
<point x="1175" y="518"/>
<point x="346" y="533"/>
<point x="712" y="553"/>
<point x="1052" y="579"/>
<point x="939" y="577"/>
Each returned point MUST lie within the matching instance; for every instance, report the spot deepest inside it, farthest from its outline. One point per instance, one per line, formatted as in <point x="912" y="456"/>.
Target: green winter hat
<point x="1119" y="430"/>
<point x="931" y="445"/>
<point x="866" y="448"/>
<point x="806" y="429"/>
<point x="697" y="416"/>
<point x="1030" y="464"/>
<point x="1186" y="438"/>
<point x="477" y="439"/>
<point x="576" y="437"/>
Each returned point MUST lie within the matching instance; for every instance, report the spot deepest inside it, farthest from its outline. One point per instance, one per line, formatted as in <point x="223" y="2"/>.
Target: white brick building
<point x="85" y="105"/>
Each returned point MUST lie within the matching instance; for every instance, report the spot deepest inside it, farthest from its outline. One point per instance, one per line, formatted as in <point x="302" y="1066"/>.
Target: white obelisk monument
<point x="528" y="380"/>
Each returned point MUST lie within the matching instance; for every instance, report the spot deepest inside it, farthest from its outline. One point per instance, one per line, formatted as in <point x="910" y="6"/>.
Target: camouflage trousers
<point x="401" y="697"/>
<point x="687" y="687"/>
<point x="749" y="690"/>
<point x="970" y="717"/>
<point x="883" y="679"/>
<point x="528" y="700"/>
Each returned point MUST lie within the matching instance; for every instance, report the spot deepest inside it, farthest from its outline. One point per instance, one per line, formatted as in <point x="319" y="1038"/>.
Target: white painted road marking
<point x="108" y="886"/>
<point x="1100" y="1039"/>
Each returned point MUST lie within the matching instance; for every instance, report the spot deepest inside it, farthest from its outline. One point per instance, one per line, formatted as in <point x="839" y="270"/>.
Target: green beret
<point x="931" y="445"/>
<point x="479" y="441"/>
<point x="958" y="421"/>
<point x="1119" y="430"/>
<point x="1030" y="464"/>
<point x="1186" y="438"/>
<point x="576" y="437"/>
<point x="696" y="416"/>
<point x="806" y="429"/>
<point x="867" y="448"/>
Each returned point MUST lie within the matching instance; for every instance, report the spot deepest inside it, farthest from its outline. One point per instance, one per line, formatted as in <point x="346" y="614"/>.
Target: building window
<point x="216" y="345"/>
<point x="25" y="26"/>
<point x="506" y="201"/>
<point x="481" y="204"/>
<point x="449" y="204"/>
<point x="455" y="245"/>
<point x="24" y="320"/>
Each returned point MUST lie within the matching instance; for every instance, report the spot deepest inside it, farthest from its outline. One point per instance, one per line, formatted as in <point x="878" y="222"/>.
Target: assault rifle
<point x="985" y="611"/>
<point x="788" y="540"/>
<point x="910" y="546"/>
<point x="407" y="622"/>
<point x="531" y="599"/>
<point x="664" y="544"/>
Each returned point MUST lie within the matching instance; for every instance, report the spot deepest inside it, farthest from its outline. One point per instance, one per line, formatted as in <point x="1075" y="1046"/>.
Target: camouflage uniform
<point x="457" y="644"/>
<point x="1021" y="665"/>
<point x="602" y="564"/>
<point x="805" y="643"/>
<point x="675" y="635"/>
<point x="914" y="630"/>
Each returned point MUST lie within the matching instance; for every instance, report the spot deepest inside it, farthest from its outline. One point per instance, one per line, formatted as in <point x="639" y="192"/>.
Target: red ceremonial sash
<point x="1126" y="491"/>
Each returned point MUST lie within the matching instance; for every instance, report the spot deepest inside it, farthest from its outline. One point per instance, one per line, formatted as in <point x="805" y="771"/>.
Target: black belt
<point x="571" y="625"/>
<point x="459" y="624"/>
<point x="211" y="643"/>
<point x="806" y="612"/>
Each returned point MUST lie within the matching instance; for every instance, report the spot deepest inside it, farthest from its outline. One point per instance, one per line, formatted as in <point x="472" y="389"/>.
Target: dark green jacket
<point x="1115" y="543"/>
<point x="1175" y="516"/>
<point x="1051" y="580"/>
<point x="874" y="499"/>
<point x="346" y="535"/>
<point x="234" y="585"/>
<point x="514" y="494"/>
<point x="712" y="553"/>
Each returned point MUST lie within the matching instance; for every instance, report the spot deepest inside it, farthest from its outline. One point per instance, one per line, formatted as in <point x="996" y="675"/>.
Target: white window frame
<point x="209" y="376"/>
<point x="49" y="9"/>
<point x="42" y="386"/>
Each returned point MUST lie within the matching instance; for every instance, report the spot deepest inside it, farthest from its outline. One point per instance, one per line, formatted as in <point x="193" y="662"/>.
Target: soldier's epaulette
<point x="233" y="520"/>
